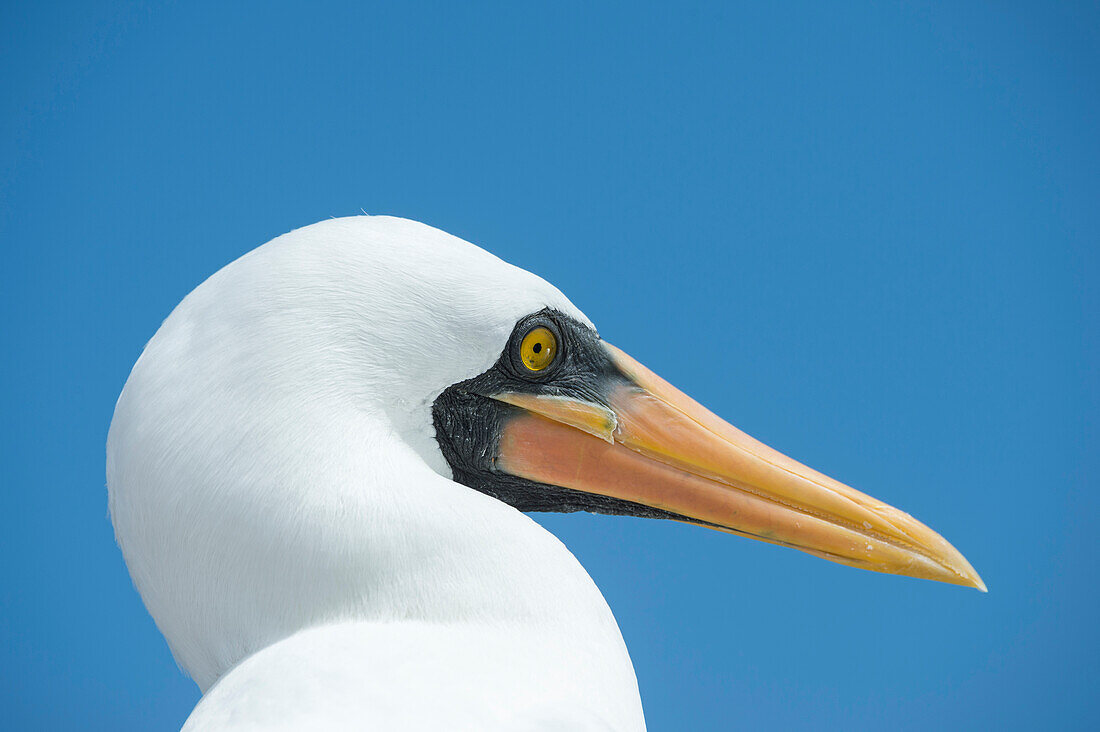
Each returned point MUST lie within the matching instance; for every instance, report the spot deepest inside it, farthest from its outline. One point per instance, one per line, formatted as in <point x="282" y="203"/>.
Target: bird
<point x="321" y="466"/>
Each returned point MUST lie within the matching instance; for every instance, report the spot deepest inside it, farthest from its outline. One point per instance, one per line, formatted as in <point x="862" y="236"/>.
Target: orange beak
<point x="655" y="446"/>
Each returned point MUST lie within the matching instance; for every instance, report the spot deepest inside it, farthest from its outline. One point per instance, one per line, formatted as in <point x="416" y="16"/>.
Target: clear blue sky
<point x="866" y="234"/>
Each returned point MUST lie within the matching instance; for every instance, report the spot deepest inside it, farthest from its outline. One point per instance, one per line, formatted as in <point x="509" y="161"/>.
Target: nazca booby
<point x="315" y="466"/>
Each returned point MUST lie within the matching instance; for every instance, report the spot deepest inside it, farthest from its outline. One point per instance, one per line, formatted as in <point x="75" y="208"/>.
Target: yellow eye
<point x="538" y="348"/>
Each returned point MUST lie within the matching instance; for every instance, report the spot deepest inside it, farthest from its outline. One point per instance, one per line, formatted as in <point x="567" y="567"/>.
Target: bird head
<point x="299" y="408"/>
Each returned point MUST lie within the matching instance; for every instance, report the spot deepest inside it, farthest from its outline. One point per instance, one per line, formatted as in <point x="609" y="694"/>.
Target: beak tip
<point x="964" y="571"/>
<point x="966" y="575"/>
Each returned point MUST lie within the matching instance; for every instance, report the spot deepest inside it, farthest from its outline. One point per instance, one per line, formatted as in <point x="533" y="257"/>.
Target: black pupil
<point x="537" y="347"/>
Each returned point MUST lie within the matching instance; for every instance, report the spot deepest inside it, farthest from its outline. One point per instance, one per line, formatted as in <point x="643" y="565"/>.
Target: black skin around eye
<point x="468" y="421"/>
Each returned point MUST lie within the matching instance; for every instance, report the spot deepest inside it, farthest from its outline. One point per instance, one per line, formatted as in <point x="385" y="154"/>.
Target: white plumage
<point x="293" y="529"/>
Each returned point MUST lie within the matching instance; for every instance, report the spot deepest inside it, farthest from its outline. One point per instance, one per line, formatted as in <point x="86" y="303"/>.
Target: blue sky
<point x="866" y="234"/>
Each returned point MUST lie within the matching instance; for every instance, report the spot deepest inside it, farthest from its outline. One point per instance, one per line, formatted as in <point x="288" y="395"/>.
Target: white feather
<point x="292" y="527"/>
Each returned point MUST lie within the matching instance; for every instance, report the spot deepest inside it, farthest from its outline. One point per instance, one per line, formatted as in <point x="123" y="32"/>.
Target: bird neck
<point x="337" y="519"/>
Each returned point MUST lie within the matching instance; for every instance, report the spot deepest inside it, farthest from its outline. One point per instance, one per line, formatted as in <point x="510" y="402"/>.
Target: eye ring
<point x="538" y="349"/>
